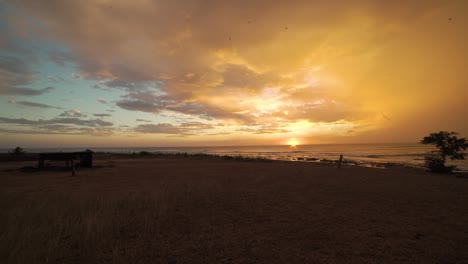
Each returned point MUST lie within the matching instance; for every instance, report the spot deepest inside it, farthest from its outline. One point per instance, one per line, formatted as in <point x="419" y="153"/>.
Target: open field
<point x="210" y="210"/>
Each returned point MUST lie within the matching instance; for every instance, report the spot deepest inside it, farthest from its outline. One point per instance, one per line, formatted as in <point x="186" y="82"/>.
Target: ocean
<point x="377" y="155"/>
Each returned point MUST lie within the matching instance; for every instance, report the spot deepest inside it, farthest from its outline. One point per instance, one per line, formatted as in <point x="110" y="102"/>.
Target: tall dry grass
<point x="216" y="211"/>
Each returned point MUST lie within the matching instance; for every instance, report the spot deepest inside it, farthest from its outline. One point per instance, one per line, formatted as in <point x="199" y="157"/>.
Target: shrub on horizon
<point x="18" y="151"/>
<point x="449" y="145"/>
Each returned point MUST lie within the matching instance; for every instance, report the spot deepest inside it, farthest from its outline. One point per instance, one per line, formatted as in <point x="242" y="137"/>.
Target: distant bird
<point x="248" y="22"/>
<point x="450" y="19"/>
<point x="229" y="38"/>
<point x="286" y="28"/>
<point x="386" y="117"/>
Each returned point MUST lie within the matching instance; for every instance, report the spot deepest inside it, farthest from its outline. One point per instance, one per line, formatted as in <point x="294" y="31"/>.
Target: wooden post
<point x="73" y="167"/>
<point x="341" y="160"/>
<point x="41" y="161"/>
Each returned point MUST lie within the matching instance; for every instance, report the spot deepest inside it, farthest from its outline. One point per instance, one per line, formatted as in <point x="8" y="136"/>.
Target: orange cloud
<point x="267" y="66"/>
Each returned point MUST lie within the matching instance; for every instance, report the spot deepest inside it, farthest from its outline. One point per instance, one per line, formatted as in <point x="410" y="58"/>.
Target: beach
<point x="372" y="155"/>
<point x="201" y="209"/>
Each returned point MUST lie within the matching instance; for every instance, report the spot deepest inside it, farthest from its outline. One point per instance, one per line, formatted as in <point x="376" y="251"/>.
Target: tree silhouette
<point x="449" y="145"/>
<point x="17" y="152"/>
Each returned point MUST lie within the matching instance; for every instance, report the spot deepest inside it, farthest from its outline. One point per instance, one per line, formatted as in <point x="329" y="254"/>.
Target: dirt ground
<point x="209" y="210"/>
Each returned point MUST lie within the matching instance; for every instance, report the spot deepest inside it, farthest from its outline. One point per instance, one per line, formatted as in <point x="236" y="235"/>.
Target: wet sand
<point x="210" y="210"/>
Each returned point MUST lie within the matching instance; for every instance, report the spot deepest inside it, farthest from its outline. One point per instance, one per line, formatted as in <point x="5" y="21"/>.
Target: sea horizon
<point x="6" y="149"/>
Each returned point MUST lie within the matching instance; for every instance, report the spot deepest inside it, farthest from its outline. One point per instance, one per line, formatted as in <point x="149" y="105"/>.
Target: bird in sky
<point x="386" y="117"/>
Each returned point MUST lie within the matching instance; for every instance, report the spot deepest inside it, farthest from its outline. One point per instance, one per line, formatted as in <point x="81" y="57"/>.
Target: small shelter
<point x="85" y="158"/>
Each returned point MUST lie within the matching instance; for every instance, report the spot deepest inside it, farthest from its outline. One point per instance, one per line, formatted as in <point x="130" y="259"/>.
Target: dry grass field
<point x="209" y="210"/>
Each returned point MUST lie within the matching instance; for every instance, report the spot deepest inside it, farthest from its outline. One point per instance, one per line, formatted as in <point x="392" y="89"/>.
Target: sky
<point x="111" y="73"/>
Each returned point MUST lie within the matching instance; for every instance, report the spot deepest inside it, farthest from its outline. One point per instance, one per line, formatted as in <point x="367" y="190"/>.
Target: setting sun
<point x="293" y="142"/>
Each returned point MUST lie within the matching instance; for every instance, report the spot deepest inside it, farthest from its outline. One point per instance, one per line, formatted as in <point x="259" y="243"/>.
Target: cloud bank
<point x="262" y="67"/>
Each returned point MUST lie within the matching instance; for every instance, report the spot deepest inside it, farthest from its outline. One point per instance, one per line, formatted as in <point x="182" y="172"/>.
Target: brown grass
<point x="209" y="210"/>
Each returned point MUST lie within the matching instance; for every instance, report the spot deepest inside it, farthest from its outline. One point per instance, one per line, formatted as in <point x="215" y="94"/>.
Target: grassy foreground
<point x="209" y="210"/>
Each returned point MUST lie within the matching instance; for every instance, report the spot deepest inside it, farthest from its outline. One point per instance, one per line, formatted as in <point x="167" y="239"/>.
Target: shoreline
<point x="368" y="155"/>
<point x="5" y="157"/>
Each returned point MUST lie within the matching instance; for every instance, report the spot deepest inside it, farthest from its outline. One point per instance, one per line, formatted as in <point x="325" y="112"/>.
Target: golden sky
<point x="199" y="72"/>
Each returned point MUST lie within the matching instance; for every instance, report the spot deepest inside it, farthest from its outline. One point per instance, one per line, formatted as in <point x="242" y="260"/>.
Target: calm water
<point x="364" y="154"/>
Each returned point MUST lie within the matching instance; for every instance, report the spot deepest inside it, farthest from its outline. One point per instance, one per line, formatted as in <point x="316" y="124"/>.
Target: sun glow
<point x="293" y="143"/>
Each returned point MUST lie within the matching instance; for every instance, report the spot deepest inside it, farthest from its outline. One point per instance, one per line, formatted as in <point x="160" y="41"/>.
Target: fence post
<point x="40" y="165"/>
<point x="73" y="167"/>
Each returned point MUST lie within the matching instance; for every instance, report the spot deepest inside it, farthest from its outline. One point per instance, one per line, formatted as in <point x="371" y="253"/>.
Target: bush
<point x="17" y="152"/>
<point x="449" y="145"/>
<point x="436" y="164"/>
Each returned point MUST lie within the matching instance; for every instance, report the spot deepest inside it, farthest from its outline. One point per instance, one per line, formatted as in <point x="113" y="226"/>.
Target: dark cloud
<point x="142" y="120"/>
<point x="195" y="126"/>
<point x="178" y="102"/>
<point x="61" y="58"/>
<point x="19" y="121"/>
<point x="133" y="85"/>
<point x="210" y="112"/>
<point x="57" y="79"/>
<point x="23" y="91"/>
<point x="144" y="96"/>
<point x="140" y="105"/>
<point x="121" y="84"/>
<point x="165" y="128"/>
<point x="81" y="122"/>
<point x="161" y="128"/>
<point x="59" y="130"/>
<point x="16" y="73"/>
<point x="70" y="121"/>
<point x="101" y="115"/>
<point x="149" y="96"/>
<point x="33" y="104"/>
